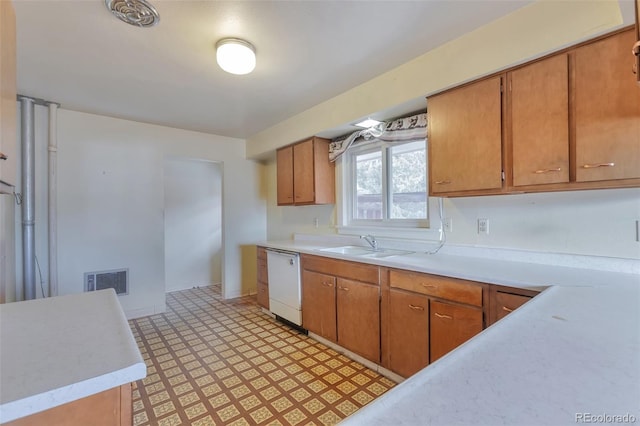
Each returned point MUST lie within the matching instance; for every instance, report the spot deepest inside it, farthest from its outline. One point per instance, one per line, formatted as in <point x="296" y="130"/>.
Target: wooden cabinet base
<point x="109" y="408"/>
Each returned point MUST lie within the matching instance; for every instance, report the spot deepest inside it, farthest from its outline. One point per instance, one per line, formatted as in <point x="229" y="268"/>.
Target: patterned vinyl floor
<point x="216" y="362"/>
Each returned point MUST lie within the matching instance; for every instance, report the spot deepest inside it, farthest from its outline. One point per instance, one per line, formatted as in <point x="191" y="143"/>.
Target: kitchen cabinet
<point x="304" y="173"/>
<point x="539" y="125"/>
<point x="319" y="304"/>
<point x="341" y="302"/>
<point x="636" y="46"/>
<point x="607" y="111"/>
<point x="428" y="316"/>
<point x="570" y="121"/>
<point x="504" y="300"/>
<point x="112" y="407"/>
<point x="8" y="108"/>
<point x="408" y="332"/>
<point x="450" y="326"/>
<point x="262" y="289"/>
<point x="465" y="139"/>
<point x="358" y="313"/>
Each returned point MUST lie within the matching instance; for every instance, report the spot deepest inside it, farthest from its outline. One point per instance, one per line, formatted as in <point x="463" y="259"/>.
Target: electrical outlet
<point x="483" y="226"/>
<point x="447" y="224"/>
<point x="316" y="222"/>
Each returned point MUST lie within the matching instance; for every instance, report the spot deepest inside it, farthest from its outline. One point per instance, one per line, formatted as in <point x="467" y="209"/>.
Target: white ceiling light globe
<point x="235" y="56"/>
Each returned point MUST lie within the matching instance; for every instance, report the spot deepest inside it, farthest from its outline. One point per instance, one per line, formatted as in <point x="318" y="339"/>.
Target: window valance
<point x="400" y="130"/>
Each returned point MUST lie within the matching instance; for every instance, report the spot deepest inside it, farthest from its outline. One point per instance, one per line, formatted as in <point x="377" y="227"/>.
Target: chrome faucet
<point x="371" y="240"/>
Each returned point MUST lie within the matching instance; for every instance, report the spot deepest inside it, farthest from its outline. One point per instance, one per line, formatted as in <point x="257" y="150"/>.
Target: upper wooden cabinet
<point x="570" y="121"/>
<point x="304" y="173"/>
<point x="8" y="108"/>
<point x="539" y="108"/>
<point x="465" y="139"/>
<point x="607" y="111"/>
<point x="636" y="47"/>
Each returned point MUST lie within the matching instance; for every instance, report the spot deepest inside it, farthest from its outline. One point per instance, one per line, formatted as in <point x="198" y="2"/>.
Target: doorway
<point x="193" y="248"/>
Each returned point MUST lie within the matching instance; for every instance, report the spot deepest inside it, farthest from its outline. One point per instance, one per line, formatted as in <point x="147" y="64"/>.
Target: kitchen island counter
<point x="61" y="349"/>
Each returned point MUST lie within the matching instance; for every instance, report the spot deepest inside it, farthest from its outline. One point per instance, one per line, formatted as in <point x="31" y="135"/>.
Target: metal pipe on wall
<point x="52" y="204"/>
<point x="28" y="197"/>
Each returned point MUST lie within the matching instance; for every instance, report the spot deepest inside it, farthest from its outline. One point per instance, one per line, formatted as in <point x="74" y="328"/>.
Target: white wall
<point x="192" y="223"/>
<point x="284" y="221"/>
<point x="111" y="199"/>
<point x="598" y="222"/>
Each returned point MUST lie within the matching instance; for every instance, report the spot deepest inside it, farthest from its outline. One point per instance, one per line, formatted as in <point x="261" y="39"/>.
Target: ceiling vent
<point x="135" y="12"/>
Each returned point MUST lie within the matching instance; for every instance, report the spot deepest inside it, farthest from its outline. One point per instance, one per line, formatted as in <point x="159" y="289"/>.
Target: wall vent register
<point x="117" y="279"/>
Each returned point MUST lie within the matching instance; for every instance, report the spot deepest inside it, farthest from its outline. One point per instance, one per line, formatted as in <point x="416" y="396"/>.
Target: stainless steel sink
<point x="365" y="252"/>
<point x="351" y="250"/>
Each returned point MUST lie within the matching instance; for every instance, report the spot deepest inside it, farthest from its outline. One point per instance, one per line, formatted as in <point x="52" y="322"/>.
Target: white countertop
<point x="574" y="350"/>
<point x="60" y="349"/>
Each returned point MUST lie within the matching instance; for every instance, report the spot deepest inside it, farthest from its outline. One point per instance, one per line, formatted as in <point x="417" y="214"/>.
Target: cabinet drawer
<point x="341" y="268"/>
<point x="432" y="285"/>
<point x="507" y="303"/>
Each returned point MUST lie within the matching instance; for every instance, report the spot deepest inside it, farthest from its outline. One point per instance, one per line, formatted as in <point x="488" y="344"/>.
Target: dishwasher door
<point x="285" y="292"/>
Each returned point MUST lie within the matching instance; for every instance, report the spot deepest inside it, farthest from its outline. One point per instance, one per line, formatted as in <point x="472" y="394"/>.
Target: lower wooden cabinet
<point x="340" y="308"/>
<point x="319" y="304"/>
<point x="359" y="318"/>
<point x="109" y="408"/>
<point x="450" y="326"/>
<point x="408" y="332"/>
<point x="504" y="300"/>
<point x="262" y="287"/>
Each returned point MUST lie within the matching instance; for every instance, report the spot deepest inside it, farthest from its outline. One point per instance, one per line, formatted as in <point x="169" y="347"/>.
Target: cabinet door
<point x="8" y="144"/>
<point x="284" y="166"/>
<point x="539" y="100"/>
<point x="319" y="304"/>
<point x="408" y="332"/>
<point x="607" y="110"/>
<point x="505" y="303"/>
<point x="450" y="326"/>
<point x="303" y="172"/>
<point x="263" y="295"/>
<point x="465" y="138"/>
<point x="359" y="318"/>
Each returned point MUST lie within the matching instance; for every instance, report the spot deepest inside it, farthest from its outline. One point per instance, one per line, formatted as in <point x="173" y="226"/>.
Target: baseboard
<point x="145" y="312"/>
<point x="351" y="355"/>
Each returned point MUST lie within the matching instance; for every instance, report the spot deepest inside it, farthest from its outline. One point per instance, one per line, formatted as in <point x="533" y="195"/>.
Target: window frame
<point x="349" y="222"/>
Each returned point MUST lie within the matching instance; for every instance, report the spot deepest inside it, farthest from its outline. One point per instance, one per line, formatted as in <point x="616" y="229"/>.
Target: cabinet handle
<point x="504" y="308"/>
<point x="343" y="288"/>
<point x="3" y="156"/>
<point x="595" y="165"/>
<point x="541" y="171"/>
<point x="443" y="182"/>
<point x="443" y="316"/>
<point x="428" y="285"/>
<point x="416" y="308"/>
<point x="327" y="284"/>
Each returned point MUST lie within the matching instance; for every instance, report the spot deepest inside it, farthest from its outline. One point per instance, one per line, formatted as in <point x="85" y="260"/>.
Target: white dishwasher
<point x="285" y="292"/>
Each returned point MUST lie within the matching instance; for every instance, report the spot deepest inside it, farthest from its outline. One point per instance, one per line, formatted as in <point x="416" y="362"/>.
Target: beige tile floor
<point x="216" y="362"/>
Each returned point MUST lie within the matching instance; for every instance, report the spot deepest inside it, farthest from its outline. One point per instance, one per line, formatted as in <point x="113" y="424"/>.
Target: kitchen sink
<point x="352" y="250"/>
<point x="365" y="252"/>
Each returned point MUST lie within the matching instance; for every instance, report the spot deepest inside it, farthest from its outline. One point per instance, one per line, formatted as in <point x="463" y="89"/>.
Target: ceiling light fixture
<point x="368" y="123"/>
<point x="236" y="56"/>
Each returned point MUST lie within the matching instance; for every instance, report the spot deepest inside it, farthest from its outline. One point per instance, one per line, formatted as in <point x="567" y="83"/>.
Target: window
<point x="386" y="185"/>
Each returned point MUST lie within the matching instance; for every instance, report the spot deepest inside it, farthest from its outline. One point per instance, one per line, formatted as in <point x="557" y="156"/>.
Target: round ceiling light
<point x="236" y="56"/>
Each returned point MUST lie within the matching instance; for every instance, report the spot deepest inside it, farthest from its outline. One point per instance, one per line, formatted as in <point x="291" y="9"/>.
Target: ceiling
<point x="76" y="53"/>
